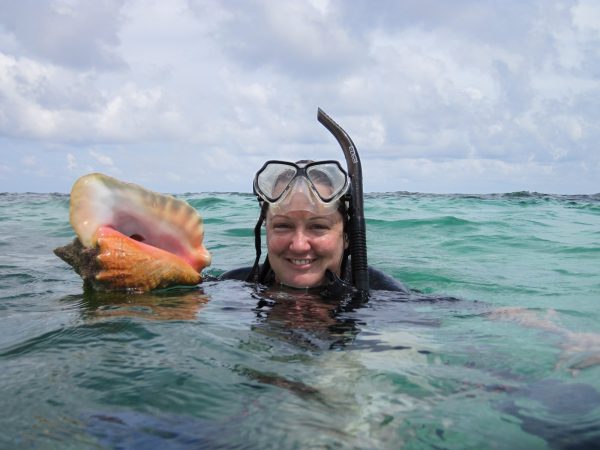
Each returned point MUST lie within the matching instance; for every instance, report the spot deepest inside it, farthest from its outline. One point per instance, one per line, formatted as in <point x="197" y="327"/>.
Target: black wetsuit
<point x="377" y="279"/>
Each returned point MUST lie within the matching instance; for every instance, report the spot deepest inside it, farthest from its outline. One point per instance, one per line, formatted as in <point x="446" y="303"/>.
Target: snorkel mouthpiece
<point x="357" y="232"/>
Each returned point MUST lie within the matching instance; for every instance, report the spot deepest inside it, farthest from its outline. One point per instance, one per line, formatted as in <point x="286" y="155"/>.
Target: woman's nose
<point x="300" y="242"/>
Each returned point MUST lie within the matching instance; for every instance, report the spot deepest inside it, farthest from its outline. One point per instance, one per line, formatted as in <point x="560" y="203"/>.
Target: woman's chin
<point x="303" y="281"/>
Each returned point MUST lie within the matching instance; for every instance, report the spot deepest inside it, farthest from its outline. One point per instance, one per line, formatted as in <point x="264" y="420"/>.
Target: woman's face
<point x="302" y="245"/>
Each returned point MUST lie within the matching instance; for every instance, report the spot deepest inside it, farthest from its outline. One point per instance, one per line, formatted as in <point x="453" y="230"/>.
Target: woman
<point x="305" y="207"/>
<point x="315" y="224"/>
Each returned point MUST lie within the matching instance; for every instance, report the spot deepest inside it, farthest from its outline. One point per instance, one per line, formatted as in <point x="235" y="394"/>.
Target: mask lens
<point x="328" y="180"/>
<point x="274" y="179"/>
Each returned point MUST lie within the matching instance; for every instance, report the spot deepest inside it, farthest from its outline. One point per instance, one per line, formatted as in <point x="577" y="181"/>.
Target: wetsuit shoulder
<point x="379" y="280"/>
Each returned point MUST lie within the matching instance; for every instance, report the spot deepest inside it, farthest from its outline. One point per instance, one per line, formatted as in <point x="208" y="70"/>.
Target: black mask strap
<point x="253" y="276"/>
<point x="266" y="274"/>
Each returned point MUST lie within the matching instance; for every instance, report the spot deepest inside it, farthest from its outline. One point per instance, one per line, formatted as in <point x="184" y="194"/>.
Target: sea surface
<point x="498" y="346"/>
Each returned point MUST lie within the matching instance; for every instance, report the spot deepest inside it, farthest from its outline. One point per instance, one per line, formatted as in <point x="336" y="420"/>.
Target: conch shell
<point x="132" y="238"/>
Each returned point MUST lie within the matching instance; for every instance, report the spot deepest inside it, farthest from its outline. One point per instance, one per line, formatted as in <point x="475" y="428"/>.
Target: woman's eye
<point x="320" y="227"/>
<point x="282" y="226"/>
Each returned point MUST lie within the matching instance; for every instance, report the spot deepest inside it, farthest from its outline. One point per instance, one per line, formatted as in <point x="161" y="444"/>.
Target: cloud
<point x="301" y="39"/>
<point x="586" y="17"/>
<point x="102" y="159"/>
<point x="187" y="87"/>
<point x="42" y="101"/>
<point x="29" y="160"/>
<point x="71" y="162"/>
<point x="71" y="33"/>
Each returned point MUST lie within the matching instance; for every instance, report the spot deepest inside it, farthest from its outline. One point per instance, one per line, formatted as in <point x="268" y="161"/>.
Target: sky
<point x="462" y="96"/>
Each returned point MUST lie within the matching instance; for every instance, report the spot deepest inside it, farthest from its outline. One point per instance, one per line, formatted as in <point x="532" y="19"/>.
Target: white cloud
<point x="42" y="101"/>
<point x="471" y="87"/>
<point x="174" y="177"/>
<point x="586" y="16"/>
<point x="29" y="161"/>
<point x="71" y="33"/>
<point x="71" y="162"/>
<point x="300" y="39"/>
<point x="102" y="159"/>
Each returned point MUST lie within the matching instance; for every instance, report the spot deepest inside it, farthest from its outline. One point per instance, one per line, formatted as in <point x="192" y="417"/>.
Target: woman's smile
<point x="303" y="245"/>
<point x="300" y="262"/>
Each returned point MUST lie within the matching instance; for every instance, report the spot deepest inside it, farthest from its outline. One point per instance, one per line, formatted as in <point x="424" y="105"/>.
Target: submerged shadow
<point x="563" y="414"/>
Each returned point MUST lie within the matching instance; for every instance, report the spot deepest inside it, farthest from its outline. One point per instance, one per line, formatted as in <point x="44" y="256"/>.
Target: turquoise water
<point x="499" y="348"/>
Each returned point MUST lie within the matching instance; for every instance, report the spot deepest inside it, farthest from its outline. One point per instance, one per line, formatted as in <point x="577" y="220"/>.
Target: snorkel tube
<point x="358" y="230"/>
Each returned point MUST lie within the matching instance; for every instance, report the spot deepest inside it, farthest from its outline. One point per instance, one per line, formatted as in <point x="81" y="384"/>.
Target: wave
<point x="443" y="221"/>
<point x="491" y="196"/>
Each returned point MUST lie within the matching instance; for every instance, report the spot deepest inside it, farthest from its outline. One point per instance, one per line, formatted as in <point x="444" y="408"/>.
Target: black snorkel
<point x="357" y="227"/>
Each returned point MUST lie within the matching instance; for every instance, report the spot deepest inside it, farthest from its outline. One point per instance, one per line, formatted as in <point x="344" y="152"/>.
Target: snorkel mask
<point x="303" y="186"/>
<point x="286" y="186"/>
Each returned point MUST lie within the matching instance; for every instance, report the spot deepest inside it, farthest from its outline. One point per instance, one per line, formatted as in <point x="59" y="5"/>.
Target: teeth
<point x="300" y="262"/>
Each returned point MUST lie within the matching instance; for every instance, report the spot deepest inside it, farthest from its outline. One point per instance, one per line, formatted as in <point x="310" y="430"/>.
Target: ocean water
<point x="497" y="347"/>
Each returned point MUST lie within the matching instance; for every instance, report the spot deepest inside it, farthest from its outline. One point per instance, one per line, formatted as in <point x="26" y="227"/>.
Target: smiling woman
<point x="314" y="225"/>
<point x="307" y="225"/>
<point x="302" y="245"/>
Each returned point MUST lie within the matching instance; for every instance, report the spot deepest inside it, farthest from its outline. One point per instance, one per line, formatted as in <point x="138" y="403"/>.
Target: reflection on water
<point x="173" y="304"/>
<point x="306" y="318"/>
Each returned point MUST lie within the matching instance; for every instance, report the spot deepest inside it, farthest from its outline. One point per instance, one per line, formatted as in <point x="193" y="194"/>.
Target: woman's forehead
<point x="305" y="216"/>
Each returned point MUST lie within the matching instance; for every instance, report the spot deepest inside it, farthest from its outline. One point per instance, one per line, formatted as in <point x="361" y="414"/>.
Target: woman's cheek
<point x="276" y="241"/>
